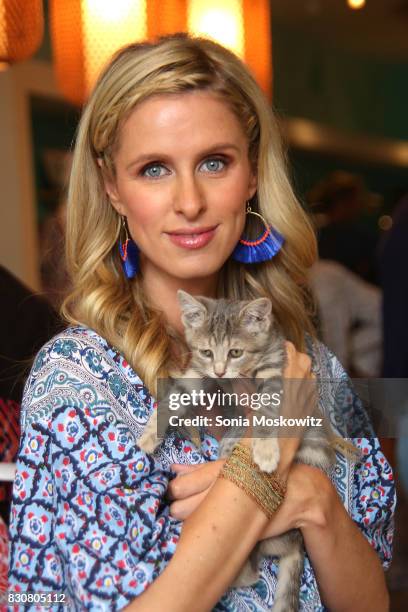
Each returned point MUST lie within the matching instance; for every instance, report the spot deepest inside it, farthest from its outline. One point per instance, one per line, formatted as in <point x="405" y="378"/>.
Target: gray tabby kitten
<point x="237" y="339"/>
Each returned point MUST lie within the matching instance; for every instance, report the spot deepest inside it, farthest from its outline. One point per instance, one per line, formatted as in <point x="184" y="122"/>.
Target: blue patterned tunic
<point x="88" y="516"/>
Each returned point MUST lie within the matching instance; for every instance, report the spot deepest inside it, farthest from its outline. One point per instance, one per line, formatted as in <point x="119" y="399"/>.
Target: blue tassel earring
<point x="263" y="248"/>
<point x="129" y="254"/>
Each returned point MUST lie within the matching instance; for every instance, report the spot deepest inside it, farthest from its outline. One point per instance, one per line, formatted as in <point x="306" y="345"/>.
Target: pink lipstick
<point x="194" y="238"/>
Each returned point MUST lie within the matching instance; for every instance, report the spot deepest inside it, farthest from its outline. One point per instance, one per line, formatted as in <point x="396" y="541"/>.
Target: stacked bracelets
<point x="267" y="490"/>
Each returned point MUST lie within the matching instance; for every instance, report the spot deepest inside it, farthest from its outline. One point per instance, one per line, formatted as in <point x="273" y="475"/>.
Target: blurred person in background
<point x="394" y="280"/>
<point x="349" y="306"/>
<point x="393" y="259"/>
<point x="27" y="321"/>
<point x="339" y="202"/>
<point x="349" y="317"/>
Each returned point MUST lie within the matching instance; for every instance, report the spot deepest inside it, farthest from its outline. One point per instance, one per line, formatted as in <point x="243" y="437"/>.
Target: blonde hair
<point x="101" y="297"/>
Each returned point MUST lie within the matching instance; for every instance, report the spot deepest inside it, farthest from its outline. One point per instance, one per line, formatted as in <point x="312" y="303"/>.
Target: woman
<point x="174" y="141"/>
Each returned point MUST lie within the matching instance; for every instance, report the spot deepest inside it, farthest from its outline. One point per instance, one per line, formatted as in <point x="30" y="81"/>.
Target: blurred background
<point x="336" y="72"/>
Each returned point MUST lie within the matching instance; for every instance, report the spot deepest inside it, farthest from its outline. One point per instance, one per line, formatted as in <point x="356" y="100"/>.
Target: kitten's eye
<point x="205" y="353"/>
<point x="235" y="353"/>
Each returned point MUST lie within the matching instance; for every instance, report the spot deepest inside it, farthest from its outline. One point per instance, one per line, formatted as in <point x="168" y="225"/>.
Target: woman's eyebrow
<point x="160" y="156"/>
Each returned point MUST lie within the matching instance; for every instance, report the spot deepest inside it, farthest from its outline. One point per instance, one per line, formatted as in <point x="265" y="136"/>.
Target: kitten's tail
<point x="341" y="445"/>
<point x="346" y="448"/>
<point x="289" y="579"/>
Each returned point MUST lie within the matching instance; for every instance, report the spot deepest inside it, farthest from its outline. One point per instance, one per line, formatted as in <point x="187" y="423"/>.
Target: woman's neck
<point x="162" y="294"/>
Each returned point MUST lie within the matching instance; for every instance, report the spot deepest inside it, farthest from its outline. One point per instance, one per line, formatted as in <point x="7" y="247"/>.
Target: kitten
<point x="239" y="339"/>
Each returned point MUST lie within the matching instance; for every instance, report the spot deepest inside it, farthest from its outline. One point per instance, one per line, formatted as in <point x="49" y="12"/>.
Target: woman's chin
<point x="191" y="267"/>
<point x="195" y="270"/>
<point x="196" y="274"/>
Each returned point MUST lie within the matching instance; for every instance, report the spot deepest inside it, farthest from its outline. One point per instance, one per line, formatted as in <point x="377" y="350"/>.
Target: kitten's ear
<point x="193" y="312"/>
<point x="256" y="316"/>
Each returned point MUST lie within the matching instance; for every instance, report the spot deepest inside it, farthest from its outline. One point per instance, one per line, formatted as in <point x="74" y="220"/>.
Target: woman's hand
<point x="299" y="400"/>
<point x="190" y="486"/>
<point x="309" y="499"/>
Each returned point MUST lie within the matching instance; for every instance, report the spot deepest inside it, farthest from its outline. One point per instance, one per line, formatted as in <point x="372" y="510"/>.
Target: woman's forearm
<point x="347" y="569"/>
<point x="215" y="541"/>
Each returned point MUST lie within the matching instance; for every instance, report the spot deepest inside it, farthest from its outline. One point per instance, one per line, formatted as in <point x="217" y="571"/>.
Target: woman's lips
<point x="196" y="240"/>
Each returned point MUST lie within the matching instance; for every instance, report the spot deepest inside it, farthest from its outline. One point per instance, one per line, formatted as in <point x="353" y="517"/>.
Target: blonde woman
<point x="175" y="140"/>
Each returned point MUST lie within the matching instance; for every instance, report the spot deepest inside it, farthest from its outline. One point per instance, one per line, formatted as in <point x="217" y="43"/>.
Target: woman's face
<point x="182" y="179"/>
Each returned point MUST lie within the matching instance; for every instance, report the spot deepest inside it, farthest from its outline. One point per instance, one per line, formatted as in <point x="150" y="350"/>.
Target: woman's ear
<point x="110" y="187"/>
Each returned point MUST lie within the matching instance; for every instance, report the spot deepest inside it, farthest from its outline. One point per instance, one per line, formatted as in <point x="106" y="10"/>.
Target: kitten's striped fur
<point x="238" y="339"/>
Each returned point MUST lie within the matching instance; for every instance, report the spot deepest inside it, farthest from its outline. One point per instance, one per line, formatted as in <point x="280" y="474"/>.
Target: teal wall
<point x="348" y="91"/>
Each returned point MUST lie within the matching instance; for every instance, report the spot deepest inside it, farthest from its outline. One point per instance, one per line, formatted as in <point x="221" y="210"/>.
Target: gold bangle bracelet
<point x="246" y="455"/>
<point x="267" y="490"/>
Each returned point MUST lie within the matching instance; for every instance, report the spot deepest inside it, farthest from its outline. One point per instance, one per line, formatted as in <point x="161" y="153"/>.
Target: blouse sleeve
<point x="372" y="497"/>
<point x="87" y="516"/>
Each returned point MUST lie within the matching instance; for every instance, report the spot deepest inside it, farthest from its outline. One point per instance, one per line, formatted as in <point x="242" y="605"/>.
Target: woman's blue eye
<point x="155" y="170"/>
<point x="152" y="171"/>
<point x="214" y="164"/>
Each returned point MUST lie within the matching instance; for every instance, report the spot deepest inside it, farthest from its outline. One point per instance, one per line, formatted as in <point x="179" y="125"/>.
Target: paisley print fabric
<point x="89" y="516"/>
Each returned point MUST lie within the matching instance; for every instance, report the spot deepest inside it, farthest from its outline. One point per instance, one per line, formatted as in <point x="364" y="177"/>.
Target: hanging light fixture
<point x="21" y="30"/>
<point x="356" y="4"/>
<point x="86" y="33"/>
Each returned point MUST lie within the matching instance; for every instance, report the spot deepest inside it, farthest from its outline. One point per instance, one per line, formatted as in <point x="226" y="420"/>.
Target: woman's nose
<point x="189" y="198"/>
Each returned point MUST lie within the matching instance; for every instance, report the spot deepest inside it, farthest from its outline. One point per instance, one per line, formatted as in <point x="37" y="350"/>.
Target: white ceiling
<point x="380" y="28"/>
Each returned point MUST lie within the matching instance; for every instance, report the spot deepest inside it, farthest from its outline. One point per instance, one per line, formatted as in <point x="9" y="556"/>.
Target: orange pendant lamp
<point x="21" y="30"/>
<point x="86" y="33"/>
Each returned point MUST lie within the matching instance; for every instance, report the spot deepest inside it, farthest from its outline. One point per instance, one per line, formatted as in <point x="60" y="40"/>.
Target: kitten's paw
<point x="268" y="465"/>
<point x="247" y="576"/>
<point x="265" y="453"/>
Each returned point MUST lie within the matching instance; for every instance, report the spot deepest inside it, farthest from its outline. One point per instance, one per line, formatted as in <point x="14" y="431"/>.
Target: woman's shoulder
<point x="79" y="347"/>
<point x="78" y="366"/>
<point x="70" y="340"/>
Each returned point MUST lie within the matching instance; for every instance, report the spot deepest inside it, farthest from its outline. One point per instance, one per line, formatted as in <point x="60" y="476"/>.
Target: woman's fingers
<point x="299" y="383"/>
<point x="298" y="365"/>
<point x="182" y="468"/>
<point x="308" y="500"/>
<point x="194" y="479"/>
<point x="299" y="400"/>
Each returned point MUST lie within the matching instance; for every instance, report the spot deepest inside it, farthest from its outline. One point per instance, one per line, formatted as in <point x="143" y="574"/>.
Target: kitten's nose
<point x="219" y="370"/>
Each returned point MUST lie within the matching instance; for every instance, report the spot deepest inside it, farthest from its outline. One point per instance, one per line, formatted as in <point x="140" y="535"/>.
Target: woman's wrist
<point x="319" y="504"/>
<point x="267" y="490"/>
<point x="309" y="502"/>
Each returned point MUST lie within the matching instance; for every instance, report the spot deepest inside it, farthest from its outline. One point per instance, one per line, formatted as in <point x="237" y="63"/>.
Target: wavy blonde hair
<point x="101" y="297"/>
